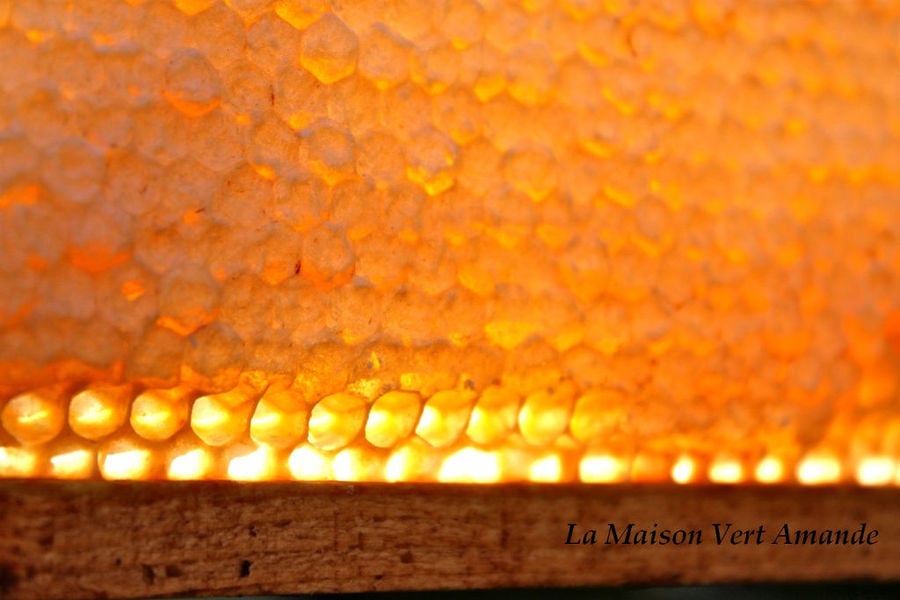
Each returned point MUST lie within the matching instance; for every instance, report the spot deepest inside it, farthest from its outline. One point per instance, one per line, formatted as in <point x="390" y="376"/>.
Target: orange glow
<point x="73" y="464"/>
<point x="683" y="471"/>
<point x="124" y="459"/>
<point x="190" y="465"/>
<point x="726" y="470"/>
<point x="770" y="470"/>
<point x="555" y="241"/>
<point x="817" y="469"/>
<point x="470" y="465"/>
<point x="547" y="469"/>
<point x="602" y="468"/>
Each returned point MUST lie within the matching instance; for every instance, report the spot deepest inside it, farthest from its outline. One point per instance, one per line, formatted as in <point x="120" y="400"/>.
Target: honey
<point x="459" y="241"/>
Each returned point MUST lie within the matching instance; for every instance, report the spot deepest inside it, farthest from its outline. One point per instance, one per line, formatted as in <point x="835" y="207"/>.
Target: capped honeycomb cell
<point x="331" y="150"/>
<point x="74" y="172"/>
<point x="188" y="300"/>
<point x="328" y="260"/>
<point x="383" y="58"/>
<point x="192" y="84"/>
<point x="329" y="49"/>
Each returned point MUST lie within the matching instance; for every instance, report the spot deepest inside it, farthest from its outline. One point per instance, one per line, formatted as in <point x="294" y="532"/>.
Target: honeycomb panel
<point x="455" y="241"/>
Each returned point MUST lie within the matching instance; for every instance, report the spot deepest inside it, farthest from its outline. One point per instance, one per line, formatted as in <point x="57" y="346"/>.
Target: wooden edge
<point x="127" y="540"/>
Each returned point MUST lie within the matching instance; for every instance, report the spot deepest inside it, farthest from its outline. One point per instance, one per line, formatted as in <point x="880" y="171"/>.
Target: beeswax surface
<point x="455" y="241"/>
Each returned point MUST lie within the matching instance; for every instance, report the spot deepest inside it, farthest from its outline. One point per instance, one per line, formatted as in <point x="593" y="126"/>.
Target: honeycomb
<point x="457" y="241"/>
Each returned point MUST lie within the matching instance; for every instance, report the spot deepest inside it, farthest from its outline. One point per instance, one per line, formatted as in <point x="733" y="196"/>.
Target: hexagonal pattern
<point x="456" y="241"/>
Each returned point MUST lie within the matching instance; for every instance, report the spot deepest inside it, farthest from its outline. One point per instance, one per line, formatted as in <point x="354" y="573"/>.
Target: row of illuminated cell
<point x="279" y="416"/>
<point x="130" y="458"/>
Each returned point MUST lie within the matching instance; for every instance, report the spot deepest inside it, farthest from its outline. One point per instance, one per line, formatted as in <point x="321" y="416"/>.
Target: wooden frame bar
<point x="127" y="540"/>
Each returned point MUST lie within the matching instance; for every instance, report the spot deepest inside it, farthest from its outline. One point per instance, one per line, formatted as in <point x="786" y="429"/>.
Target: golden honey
<point x="484" y="241"/>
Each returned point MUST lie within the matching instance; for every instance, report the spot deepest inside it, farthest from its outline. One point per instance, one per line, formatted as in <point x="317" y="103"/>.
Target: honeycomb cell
<point x="239" y="196"/>
<point x="601" y="467"/>
<point x="545" y="414"/>
<point x="547" y="469"/>
<point x="444" y="417"/>
<point x="309" y="464"/>
<point x="72" y="462"/>
<point x="249" y="10"/>
<point x="247" y="90"/>
<point x="273" y="148"/>
<point x="435" y="69"/>
<point x="392" y="418"/>
<point x="336" y="420"/>
<point x="272" y="44"/>
<point x="159" y="413"/>
<point x="74" y="172"/>
<point x="219" y="419"/>
<point x="531" y="73"/>
<point x="431" y="158"/>
<point x="328" y="259"/>
<point x="17" y="462"/>
<point x="329" y="50"/>
<point x="411" y="19"/>
<point x="463" y="23"/>
<point x="300" y="15"/>
<point x="599" y="414"/>
<point x="126" y="458"/>
<point x="160" y="134"/>
<point x="99" y="410"/>
<point x="470" y="465"/>
<point x="251" y="463"/>
<point x="494" y="416"/>
<point x="356" y="464"/>
<point x="531" y="171"/>
<point x="568" y="229"/>
<point x="214" y="357"/>
<point x="36" y="417"/>
<point x="189" y="459"/>
<point x="99" y="243"/>
<point x="192" y="84"/>
<point x="382" y="58"/>
<point x="218" y="33"/>
<point x="189" y="299"/>
<point x="280" y="418"/>
<point x="331" y="151"/>
<point x="770" y="470"/>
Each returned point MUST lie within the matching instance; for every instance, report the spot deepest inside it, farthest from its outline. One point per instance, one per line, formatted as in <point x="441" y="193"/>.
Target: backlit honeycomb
<point x="483" y="241"/>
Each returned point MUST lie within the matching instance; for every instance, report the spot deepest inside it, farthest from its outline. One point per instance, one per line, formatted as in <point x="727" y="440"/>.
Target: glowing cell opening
<point x="602" y="468"/>
<point x="74" y="464"/>
<point x="770" y="470"/>
<point x="309" y="464"/>
<point x="876" y="470"/>
<point x="818" y="470"/>
<point x="127" y="464"/>
<point x="683" y="471"/>
<point x="191" y="465"/>
<point x="726" y="471"/>
<point x="17" y="462"/>
<point x="547" y="469"/>
<point x="254" y="466"/>
<point x="470" y="465"/>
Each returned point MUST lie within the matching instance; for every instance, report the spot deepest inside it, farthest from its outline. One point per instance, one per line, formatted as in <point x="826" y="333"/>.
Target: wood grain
<point x="127" y="540"/>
